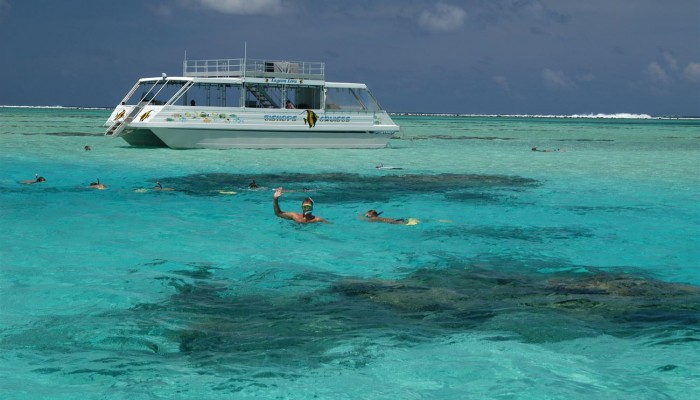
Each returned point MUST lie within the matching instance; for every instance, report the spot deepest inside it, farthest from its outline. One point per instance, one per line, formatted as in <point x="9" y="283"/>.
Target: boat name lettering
<point x="284" y="80"/>
<point x="326" y="118"/>
<point x="280" y="118"/>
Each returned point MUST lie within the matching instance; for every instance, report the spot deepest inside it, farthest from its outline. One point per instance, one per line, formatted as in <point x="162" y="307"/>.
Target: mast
<point x="245" y="57"/>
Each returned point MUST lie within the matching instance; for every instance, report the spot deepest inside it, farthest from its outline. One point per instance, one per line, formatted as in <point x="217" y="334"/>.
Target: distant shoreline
<point x="60" y="107"/>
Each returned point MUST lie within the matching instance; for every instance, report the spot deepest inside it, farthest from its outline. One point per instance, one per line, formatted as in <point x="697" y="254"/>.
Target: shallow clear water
<point x="570" y="274"/>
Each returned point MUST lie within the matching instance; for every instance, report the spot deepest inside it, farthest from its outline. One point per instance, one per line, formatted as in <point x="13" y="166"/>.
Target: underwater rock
<point x="473" y="294"/>
<point x="347" y="187"/>
<point x="208" y="315"/>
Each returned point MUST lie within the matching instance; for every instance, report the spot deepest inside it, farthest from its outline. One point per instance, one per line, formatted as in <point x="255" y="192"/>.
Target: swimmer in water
<point x="37" y="179"/>
<point x="97" y="185"/>
<point x="547" y="150"/>
<point x="307" y="208"/>
<point x="374" y="216"/>
<point x="382" y="166"/>
<point x="158" y="186"/>
<point x="253" y="185"/>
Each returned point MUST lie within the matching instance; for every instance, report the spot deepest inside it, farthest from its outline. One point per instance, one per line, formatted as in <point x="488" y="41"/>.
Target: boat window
<point x="351" y="99"/>
<point x="155" y="92"/>
<point x="212" y="95"/>
<point x="142" y="92"/>
<point x="260" y="95"/>
<point x="368" y="100"/>
<point x="306" y="96"/>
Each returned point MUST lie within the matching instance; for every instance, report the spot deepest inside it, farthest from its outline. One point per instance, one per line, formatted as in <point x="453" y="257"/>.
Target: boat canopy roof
<point x="169" y="78"/>
<point x="242" y="67"/>
<point x="241" y="80"/>
<point x="346" y="85"/>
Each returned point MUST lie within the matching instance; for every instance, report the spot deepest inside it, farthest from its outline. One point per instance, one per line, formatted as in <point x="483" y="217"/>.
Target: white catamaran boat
<point x="242" y="103"/>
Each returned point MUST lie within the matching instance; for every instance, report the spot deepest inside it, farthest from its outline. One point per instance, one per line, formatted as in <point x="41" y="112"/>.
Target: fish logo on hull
<point x="311" y="118"/>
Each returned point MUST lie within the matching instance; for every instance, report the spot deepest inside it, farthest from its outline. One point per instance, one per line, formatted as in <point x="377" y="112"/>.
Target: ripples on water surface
<point x="569" y="274"/>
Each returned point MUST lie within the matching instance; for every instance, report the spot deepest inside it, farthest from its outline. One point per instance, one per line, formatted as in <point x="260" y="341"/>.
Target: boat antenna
<point x="245" y="57"/>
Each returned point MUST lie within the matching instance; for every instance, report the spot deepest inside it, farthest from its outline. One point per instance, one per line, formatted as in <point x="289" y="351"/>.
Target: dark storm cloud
<point x="463" y="56"/>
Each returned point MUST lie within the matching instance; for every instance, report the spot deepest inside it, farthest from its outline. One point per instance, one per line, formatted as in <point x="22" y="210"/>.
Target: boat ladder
<point x="263" y="98"/>
<point x="118" y="126"/>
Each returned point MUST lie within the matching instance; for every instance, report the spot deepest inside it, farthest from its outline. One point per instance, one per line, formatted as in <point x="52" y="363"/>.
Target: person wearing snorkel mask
<point x="374" y="216"/>
<point x="305" y="217"/>
<point x="38" y="179"/>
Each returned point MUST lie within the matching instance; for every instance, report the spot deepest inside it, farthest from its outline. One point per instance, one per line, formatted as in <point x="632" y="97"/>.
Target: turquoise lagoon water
<point x="559" y="275"/>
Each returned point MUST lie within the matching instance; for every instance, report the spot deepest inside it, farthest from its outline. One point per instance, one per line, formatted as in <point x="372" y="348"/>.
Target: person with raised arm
<point x="307" y="208"/>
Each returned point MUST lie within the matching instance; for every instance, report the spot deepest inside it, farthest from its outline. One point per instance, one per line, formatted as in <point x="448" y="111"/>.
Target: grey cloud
<point x="692" y="72"/>
<point x="556" y="79"/>
<point x="657" y="73"/>
<point x="442" y="18"/>
<point x="244" y="7"/>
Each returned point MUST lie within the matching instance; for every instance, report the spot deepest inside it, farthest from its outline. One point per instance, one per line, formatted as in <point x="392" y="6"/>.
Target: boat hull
<point x="193" y="138"/>
<point x="142" y="138"/>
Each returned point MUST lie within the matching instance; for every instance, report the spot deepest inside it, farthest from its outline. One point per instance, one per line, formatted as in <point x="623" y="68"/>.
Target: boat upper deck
<point x="240" y="67"/>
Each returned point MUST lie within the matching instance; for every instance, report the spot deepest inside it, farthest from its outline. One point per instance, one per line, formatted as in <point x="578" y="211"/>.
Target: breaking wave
<point x="573" y="116"/>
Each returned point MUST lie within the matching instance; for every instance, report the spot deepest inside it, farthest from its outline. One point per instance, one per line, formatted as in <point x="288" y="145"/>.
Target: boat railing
<point x="239" y="67"/>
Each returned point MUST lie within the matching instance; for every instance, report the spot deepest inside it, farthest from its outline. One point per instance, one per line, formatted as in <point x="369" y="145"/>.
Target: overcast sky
<point x="456" y="56"/>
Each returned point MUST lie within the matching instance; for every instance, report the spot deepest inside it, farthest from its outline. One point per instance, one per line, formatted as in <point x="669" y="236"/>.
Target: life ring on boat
<point x="120" y="115"/>
<point x="145" y="115"/>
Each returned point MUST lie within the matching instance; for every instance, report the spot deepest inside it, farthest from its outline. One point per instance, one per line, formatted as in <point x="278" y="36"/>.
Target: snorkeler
<point x="374" y="216"/>
<point x="158" y="186"/>
<point x="307" y="207"/>
<point x="37" y="179"/>
<point x="547" y="150"/>
<point x="382" y="166"/>
<point x="97" y="185"/>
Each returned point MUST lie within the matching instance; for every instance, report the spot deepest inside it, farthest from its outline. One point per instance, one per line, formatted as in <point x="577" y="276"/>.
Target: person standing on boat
<point x="307" y="208"/>
<point x="289" y="105"/>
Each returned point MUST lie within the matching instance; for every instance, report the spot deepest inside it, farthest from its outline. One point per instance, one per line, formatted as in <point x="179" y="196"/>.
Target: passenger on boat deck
<point x="192" y="103"/>
<point x="374" y="216"/>
<point x="37" y="179"/>
<point x="97" y="185"/>
<point x="253" y="185"/>
<point x="307" y="207"/>
<point x="289" y="105"/>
